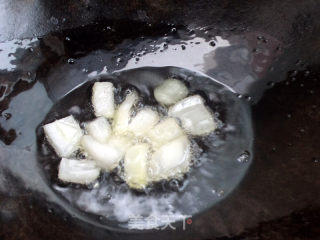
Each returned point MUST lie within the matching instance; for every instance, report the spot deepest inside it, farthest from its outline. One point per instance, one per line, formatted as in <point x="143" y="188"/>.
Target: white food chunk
<point x="171" y="160"/>
<point x="103" y="99"/>
<point x="78" y="171"/>
<point x="194" y="116"/>
<point x="143" y="121"/>
<point x="170" y="91"/>
<point x="64" y="135"/>
<point x="106" y="155"/>
<point x="164" y="132"/>
<point x="123" y="113"/>
<point x="121" y="142"/>
<point x="135" y="165"/>
<point x="99" y="129"/>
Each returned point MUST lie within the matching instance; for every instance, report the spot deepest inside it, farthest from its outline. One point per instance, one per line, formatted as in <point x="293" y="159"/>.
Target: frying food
<point x="144" y="145"/>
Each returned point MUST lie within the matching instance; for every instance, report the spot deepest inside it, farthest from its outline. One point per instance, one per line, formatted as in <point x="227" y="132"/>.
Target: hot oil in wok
<point x="61" y="67"/>
<point x="215" y="169"/>
<point x="42" y="72"/>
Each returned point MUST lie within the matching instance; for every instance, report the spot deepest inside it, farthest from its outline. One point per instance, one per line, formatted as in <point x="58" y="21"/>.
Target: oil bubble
<point x="244" y="157"/>
<point x="71" y="61"/>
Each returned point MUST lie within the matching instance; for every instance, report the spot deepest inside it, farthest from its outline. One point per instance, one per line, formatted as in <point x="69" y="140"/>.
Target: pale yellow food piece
<point x="135" y="165"/>
<point x="105" y="155"/>
<point x="99" y="129"/>
<point x="103" y="99"/>
<point x="121" y="142"/>
<point x="165" y="131"/>
<point x="196" y="119"/>
<point x="64" y="135"/>
<point x="171" y="160"/>
<point x="123" y="114"/>
<point x="143" y="121"/>
<point x="170" y="91"/>
<point x="78" y="171"/>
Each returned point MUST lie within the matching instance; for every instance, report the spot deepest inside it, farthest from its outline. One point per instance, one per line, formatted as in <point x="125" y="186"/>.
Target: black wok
<point x="265" y="53"/>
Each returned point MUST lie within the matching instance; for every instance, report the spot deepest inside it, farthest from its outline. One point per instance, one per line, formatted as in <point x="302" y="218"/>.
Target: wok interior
<point x="215" y="173"/>
<point x="279" y="192"/>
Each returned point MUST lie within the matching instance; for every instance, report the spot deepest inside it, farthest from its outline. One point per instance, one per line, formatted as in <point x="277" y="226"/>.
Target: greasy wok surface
<point x="267" y="51"/>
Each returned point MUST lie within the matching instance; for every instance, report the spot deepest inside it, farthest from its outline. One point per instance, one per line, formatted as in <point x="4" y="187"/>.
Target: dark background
<point x="279" y="197"/>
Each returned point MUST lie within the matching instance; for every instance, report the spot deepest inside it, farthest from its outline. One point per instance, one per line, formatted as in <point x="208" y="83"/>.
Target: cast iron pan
<point x="255" y="63"/>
